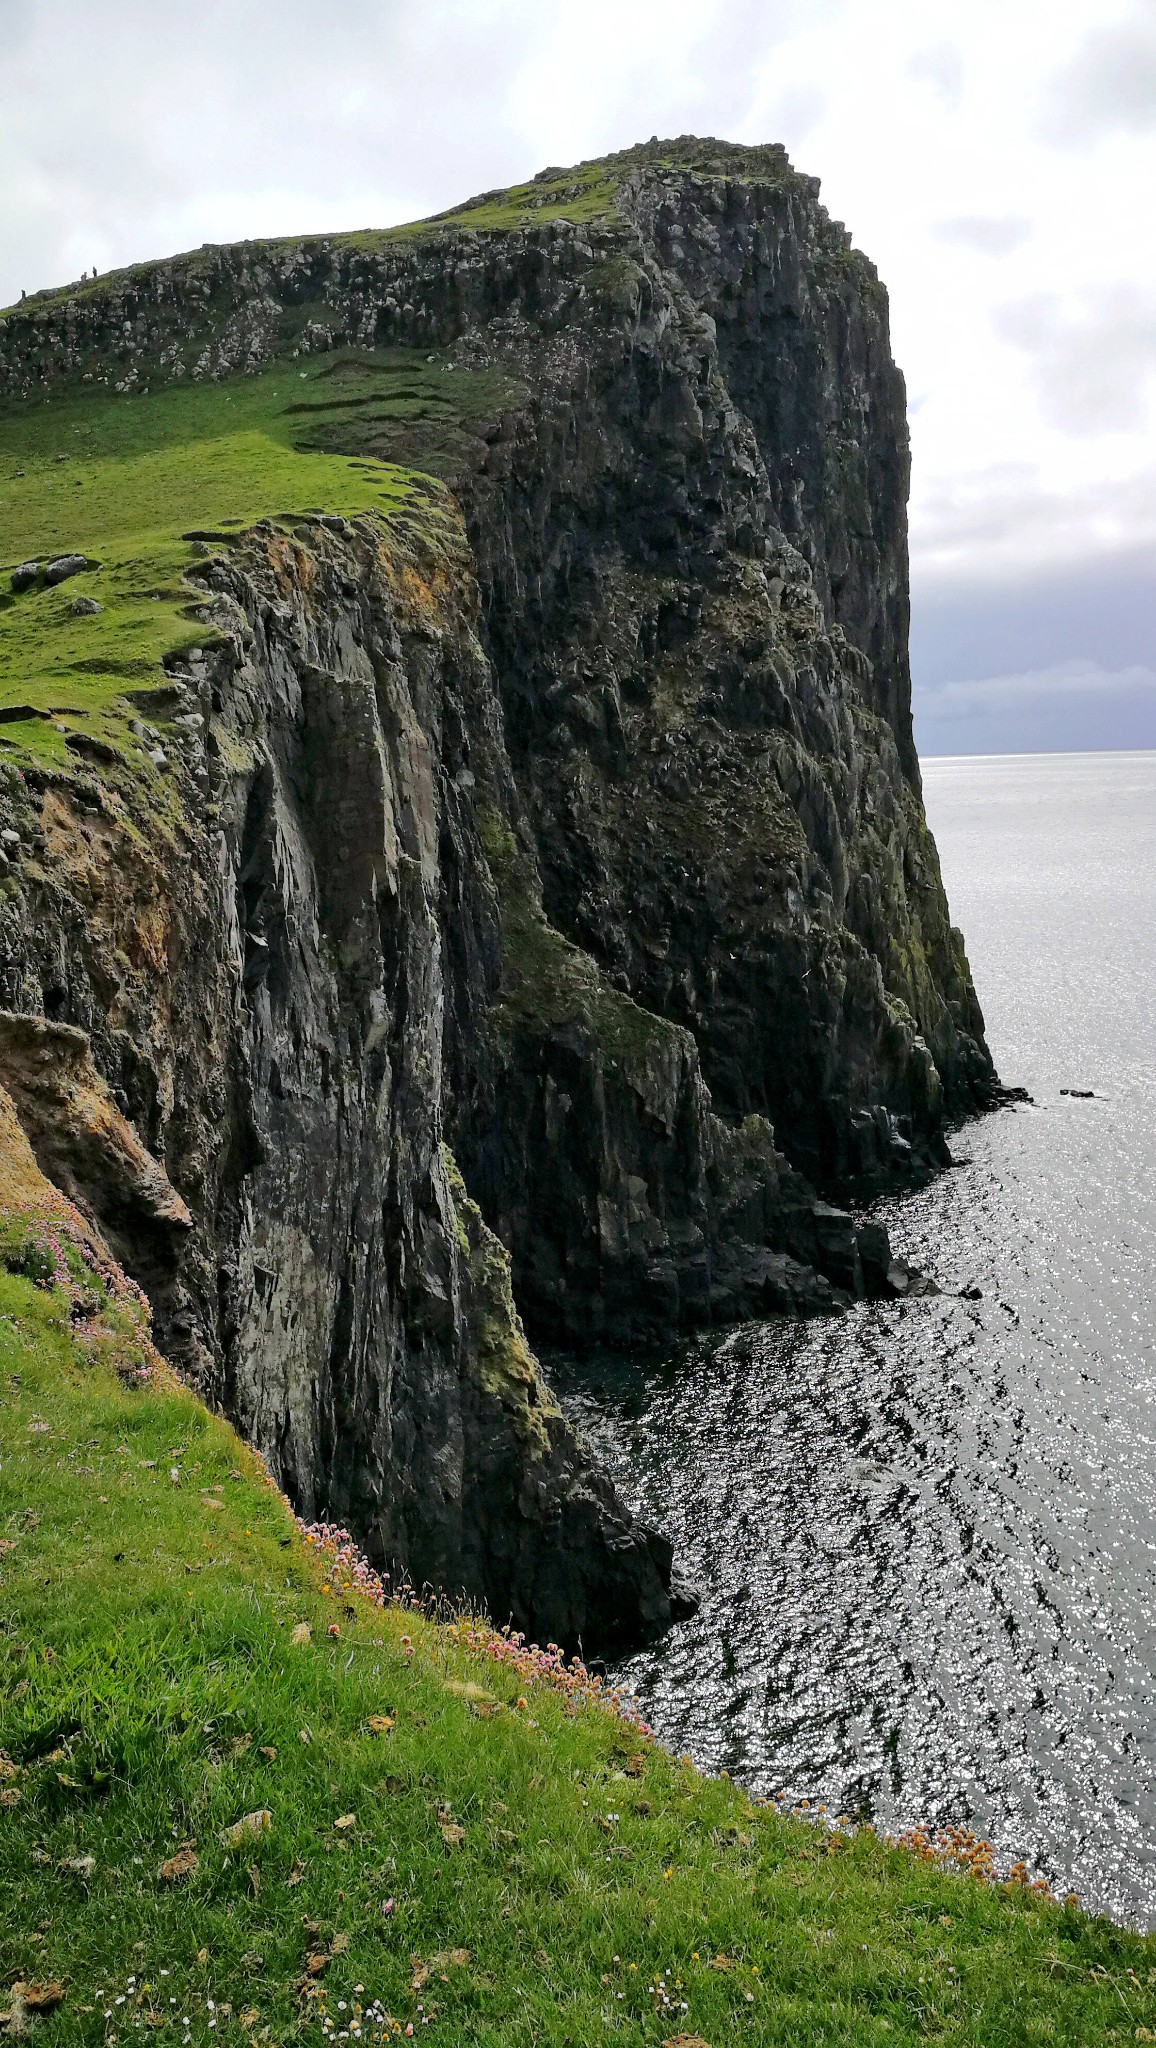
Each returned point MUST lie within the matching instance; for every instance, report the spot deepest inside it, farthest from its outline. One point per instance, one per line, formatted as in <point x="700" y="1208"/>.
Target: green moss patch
<point x="506" y="1367"/>
<point x="398" y="406"/>
<point x="584" y="193"/>
<point x="548" y="982"/>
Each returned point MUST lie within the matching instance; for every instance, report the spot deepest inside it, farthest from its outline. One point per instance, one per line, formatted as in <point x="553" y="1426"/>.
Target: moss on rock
<point x="505" y="1367"/>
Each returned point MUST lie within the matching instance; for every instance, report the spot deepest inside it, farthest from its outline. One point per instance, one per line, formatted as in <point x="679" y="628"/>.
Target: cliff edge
<point x="458" y="774"/>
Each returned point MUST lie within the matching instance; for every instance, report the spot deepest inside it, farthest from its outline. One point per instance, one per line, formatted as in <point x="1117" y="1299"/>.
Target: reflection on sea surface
<point x="924" y="1532"/>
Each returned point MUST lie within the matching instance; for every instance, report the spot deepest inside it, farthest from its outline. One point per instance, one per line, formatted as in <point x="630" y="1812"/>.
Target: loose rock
<point x="64" y="566"/>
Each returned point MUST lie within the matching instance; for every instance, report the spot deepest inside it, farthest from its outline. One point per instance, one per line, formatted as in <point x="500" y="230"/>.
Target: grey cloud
<point x="1109" y="86"/>
<point x="1073" y="706"/>
<point x="1078" y="678"/>
<point x="1042" y="661"/>
<point x="1092" y="366"/>
<point x="1102" y="611"/>
<point x="987" y="234"/>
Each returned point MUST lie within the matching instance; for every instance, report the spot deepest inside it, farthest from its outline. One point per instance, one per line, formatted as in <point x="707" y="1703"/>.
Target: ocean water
<point x="925" y="1532"/>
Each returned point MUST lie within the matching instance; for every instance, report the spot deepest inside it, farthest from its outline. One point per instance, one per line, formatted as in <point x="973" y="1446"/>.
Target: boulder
<point x="64" y="566"/>
<point x="875" y="1257"/>
<point x="25" y="576"/>
<point x="84" y="607"/>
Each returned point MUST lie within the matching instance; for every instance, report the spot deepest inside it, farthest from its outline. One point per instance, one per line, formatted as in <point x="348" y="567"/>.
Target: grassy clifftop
<point x="126" y="481"/>
<point x="241" y="1799"/>
<point x="580" y="193"/>
<point x="584" y="193"/>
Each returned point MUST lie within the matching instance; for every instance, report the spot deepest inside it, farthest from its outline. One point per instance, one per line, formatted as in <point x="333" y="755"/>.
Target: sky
<point x="996" y="159"/>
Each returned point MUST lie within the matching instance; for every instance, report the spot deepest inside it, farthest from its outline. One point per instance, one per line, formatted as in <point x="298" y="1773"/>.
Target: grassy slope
<point x="121" y="479"/>
<point x="152" y="1695"/>
<point x="584" y="192"/>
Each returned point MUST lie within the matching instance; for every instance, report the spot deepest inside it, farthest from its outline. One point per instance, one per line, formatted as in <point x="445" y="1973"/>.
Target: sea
<point x="924" y="1532"/>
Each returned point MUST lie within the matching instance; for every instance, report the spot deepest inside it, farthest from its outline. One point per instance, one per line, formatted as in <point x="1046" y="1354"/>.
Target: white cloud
<point x="796" y="115"/>
<point x="987" y="234"/>
<point x="1094" y="361"/>
<point x="1109" y="85"/>
<point x="127" y="133"/>
<point x="941" y="67"/>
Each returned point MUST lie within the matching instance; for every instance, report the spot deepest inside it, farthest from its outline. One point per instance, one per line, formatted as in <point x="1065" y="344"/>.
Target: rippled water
<point x="925" y="1532"/>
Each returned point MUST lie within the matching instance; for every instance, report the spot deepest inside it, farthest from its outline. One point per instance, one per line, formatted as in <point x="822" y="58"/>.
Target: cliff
<point x="483" y="737"/>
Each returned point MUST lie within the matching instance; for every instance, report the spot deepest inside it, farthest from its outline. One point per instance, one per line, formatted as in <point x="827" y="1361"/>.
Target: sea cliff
<point x="471" y="814"/>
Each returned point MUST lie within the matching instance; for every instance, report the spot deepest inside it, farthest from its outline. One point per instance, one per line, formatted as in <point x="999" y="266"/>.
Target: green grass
<point x="152" y="1697"/>
<point x="122" y="479"/>
<point x="584" y="193"/>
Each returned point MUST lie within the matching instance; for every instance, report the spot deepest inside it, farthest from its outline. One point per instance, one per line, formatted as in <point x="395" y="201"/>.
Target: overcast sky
<point x="997" y="159"/>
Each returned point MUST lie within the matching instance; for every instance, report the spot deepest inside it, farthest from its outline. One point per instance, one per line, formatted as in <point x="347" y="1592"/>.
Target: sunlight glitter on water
<point x="925" y="1532"/>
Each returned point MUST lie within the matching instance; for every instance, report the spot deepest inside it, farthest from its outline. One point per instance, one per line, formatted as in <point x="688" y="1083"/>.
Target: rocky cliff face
<point x="574" y="826"/>
<point x="264" y="986"/>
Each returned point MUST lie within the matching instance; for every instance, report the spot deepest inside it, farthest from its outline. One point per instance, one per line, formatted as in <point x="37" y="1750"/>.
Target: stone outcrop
<point x="571" y="833"/>
<point x="89" y="1150"/>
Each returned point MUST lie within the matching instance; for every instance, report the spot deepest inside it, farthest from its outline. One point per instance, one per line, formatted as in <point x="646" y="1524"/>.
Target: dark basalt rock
<point x="580" y="832"/>
<point x="264" y="992"/>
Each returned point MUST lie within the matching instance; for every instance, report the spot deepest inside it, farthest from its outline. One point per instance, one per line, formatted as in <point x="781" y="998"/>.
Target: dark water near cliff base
<point x="926" y="1532"/>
